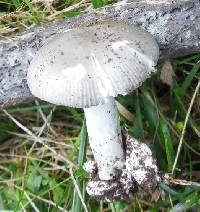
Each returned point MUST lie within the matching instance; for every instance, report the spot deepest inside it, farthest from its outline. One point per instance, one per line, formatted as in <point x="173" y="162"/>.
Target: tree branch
<point x="174" y="24"/>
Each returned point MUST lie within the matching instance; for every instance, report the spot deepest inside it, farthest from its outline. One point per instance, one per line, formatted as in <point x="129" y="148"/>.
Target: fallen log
<point x="174" y="24"/>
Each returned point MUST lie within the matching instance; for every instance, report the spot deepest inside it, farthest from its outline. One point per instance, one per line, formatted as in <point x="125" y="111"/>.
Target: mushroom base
<point x="105" y="138"/>
<point x="140" y="170"/>
<point x="112" y="190"/>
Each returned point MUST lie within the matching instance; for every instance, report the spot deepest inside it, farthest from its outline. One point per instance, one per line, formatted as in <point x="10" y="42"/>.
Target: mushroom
<point x="87" y="67"/>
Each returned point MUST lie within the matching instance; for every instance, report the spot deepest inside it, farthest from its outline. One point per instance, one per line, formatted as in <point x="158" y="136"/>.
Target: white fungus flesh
<point x="87" y="67"/>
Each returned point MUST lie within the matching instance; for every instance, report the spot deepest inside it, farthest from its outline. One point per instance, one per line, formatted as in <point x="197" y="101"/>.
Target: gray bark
<point x="174" y="24"/>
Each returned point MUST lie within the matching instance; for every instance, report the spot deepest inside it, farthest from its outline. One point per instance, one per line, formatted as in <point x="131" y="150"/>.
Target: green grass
<point x="34" y="177"/>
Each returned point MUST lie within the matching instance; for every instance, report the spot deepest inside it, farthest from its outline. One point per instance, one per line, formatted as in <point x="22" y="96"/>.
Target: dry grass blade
<point x="42" y="199"/>
<point x="46" y="119"/>
<point x="31" y="202"/>
<point x="184" y="126"/>
<point x="183" y="182"/>
<point x="124" y="112"/>
<point x="46" y="123"/>
<point x="37" y="139"/>
<point x="82" y="3"/>
<point x="77" y="189"/>
<point x="53" y="165"/>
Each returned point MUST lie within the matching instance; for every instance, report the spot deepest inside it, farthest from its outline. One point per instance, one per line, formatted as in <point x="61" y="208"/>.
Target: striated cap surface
<point x="80" y="67"/>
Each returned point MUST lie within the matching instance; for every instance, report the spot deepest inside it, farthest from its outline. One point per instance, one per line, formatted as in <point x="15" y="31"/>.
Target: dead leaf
<point x="167" y="73"/>
<point x="156" y="195"/>
<point x="124" y="112"/>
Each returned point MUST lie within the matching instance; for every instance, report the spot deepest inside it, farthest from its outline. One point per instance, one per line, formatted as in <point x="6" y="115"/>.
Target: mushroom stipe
<point x="87" y="67"/>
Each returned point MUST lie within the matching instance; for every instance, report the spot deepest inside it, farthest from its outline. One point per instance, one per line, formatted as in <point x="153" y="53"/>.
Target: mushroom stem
<point x="105" y="138"/>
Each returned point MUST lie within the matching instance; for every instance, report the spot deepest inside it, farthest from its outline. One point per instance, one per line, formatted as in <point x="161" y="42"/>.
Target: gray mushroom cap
<point x="82" y="66"/>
